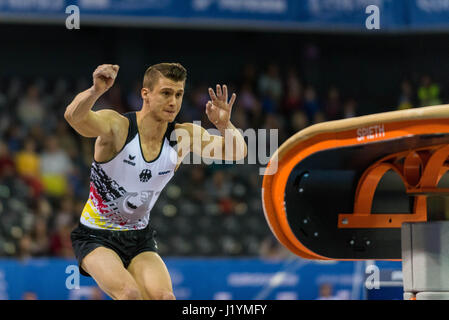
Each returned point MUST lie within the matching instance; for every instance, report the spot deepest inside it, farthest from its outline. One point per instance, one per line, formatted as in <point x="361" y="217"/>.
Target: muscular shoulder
<point x="117" y="120"/>
<point x="118" y="130"/>
<point x="118" y="124"/>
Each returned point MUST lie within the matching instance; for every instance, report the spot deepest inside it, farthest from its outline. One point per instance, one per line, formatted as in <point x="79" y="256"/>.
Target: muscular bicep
<point x="98" y="124"/>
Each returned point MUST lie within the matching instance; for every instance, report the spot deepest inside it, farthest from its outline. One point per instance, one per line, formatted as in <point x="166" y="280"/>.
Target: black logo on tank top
<point x="145" y="175"/>
<point x="130" y="162"/>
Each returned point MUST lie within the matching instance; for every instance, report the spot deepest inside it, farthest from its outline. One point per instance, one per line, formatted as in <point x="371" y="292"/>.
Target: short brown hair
<point x="172" y="71"/>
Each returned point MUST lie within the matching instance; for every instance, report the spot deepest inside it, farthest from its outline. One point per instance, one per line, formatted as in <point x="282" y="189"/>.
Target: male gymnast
<point x="135" y="157"/>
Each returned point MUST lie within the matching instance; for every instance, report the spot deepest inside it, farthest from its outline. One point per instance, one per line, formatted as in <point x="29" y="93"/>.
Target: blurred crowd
<point x="206" y="210"/>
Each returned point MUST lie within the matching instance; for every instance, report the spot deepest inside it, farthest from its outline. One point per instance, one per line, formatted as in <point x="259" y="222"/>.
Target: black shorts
<point x="127" y="244"/>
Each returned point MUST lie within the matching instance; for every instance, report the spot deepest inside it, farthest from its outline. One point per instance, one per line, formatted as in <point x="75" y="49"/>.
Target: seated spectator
<point x="270" y="89"/>
<point x="28" y="166"/>
<point x="219" y="190"/>
<point x="55" y="168"/>
<point x="270" y="83"/>
<point x="294" y="99"/>
<point x="269" y="106"/>
<point x="30" y="109"/>
<point x="61" y="244"/>
<point x="13" y="138"/>
<point x="311" y="104"/>
<point x="428" y="92"/>
<point x="406" y="97"/>
<point x="43" y="209"/>
<point x="247" y="101"/>
<point x="24" y="247"/>
<point x="40" y="238"/>
<point x="196" y="190"/>
<point x="66" y="139"/>
<point x="12" y="187"/>
<point x="65" y="216"/>
<point x="37" y="133"/>
<point x="27" y="160"/>
<point x="6" y="161"/>
<point x="332" y="107"/>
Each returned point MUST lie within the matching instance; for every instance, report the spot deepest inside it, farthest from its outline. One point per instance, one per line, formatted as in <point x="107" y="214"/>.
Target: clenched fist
<point x="104" y="77"/>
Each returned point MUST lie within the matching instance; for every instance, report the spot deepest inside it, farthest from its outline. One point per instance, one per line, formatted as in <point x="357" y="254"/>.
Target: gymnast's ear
<point x="144" y="93"/>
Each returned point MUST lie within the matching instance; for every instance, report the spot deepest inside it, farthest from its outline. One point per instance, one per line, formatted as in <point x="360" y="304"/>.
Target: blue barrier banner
<point x="352" y="15"/>
<point x="429" y="14"/>
<point x="211" y="9"/>
<point x="204" y="279"/>
<point x="328" y="15"/>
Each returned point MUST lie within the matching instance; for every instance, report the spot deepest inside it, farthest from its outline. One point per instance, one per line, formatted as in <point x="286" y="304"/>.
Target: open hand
<point x="218" y="110"/>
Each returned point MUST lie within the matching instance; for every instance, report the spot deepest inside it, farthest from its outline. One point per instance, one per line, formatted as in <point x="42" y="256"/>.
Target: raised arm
<point x="92" y="124"/>
<point x="230" y="145"/>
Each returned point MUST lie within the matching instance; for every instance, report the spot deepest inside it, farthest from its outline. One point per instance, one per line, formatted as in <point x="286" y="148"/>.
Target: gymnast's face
<point x="165" y="100"/>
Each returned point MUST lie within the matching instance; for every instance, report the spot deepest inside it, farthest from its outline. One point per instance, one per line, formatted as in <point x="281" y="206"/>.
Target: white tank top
<point x="124" y="189"/>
